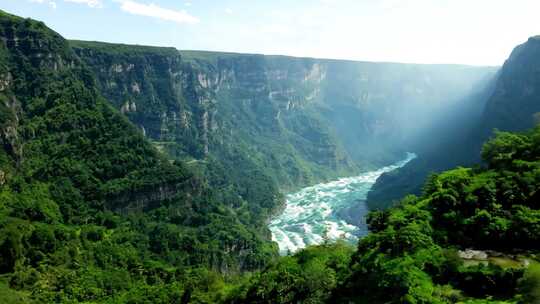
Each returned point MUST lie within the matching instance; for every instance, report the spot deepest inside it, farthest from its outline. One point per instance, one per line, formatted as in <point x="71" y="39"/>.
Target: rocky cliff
<point x="515" y="103"/>
<point x="511" y="102"/>
<point x="295" y="120"/>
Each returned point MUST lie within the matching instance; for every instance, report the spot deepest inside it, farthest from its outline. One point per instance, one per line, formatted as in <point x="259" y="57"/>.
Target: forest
<point x="93" y="210"/>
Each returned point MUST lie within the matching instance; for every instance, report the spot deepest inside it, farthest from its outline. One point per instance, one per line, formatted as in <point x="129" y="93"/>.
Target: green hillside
<point x="89" y="209"/>
<point x="135" y="174"/>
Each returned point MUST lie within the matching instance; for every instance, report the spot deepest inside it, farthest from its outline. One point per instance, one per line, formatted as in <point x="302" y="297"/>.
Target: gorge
<point x="139" y="174"/>
<point x="294" y="122"/>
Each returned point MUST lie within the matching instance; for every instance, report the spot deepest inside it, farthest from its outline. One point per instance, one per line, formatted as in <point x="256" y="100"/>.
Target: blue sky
<point x="479" y="32"/>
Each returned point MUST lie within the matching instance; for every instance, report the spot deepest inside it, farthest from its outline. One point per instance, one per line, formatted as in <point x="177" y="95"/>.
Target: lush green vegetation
<point x="123" y="49"/>
<point x="411" y="255"/>
<point x="309" y="276"/>
<point x="89" y="210"/>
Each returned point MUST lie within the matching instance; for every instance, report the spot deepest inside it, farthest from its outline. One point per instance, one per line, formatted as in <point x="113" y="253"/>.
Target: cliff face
<point x="295" y="120"/>
<point x="384" y="108"/>
<point x="150" y="86"/>
<point x="511" y="102"/>
<point x="515" y="103"/>
<point x="229" y="108"/>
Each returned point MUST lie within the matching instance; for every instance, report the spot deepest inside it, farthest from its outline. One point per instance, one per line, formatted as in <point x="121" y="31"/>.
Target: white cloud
<point x="51" y="3"/>
<point x="155" y="11"/>
<point x="90" y="3"/>
<point x="228" y="11"/>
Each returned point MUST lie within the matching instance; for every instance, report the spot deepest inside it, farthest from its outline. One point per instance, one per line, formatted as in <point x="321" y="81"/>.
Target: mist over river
<point x="336" y="209"/>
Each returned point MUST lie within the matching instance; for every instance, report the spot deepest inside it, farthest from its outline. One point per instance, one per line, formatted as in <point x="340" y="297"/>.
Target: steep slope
<point x="515" y="103"/>
<point x="220" y="115"/>
<point x="89" y="209"/>
<point x="451" y="141"/>
<point x="296" y="121"/>
<point x="511" y="104"/>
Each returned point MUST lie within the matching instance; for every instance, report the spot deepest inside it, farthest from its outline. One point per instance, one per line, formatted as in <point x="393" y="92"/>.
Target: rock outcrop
<point x="300" y="120"/>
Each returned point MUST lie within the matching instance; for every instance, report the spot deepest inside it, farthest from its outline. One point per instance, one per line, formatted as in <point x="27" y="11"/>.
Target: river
<point x="332" y="210"/>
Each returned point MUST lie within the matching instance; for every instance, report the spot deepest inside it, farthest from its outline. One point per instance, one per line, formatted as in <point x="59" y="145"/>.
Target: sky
<point x="475" y="32"/>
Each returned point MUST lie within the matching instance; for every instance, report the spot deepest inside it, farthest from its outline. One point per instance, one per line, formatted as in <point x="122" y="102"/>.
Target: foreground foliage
<point x="411" y="254"/>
